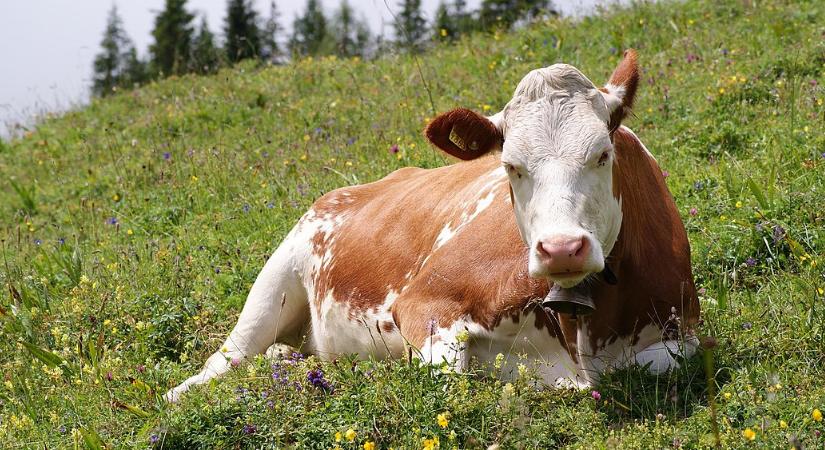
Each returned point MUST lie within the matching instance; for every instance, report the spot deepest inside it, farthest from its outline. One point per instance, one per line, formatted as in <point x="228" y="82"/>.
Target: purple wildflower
<point x="217" y="270"/>
<point x="249" y="429"/>
<point x="167" y="156"/>
<point x="246" y="207"/>
<point x="235" y="362"/>
<point x="778" y="233"/>
<point x="596" y="395"/>
<point x="432" y="326"/>
<point x="37" y="242"/>
<point x="316" y="378"/>
<point x="141" y="368"/>
<point x="758" y="226"/>
<point x="270" y="205"/>
<point x="693" y="211"/>
<point x="61" y="241"/>
<point x="394" y="149"/>
<point x="112" y="221"/>
<point x="109" y="376"/>
<point x="665" y="173"/>
<point x="350" y="141"/>
<point x="154" y="439"/>
<point x="62" y="429"/>
<point x="702" y="291"/>
<point x="751" y="261"/>
<point x="747" y="326"/>
<point x="265" y="154"/>
<point x="698" y="186"/>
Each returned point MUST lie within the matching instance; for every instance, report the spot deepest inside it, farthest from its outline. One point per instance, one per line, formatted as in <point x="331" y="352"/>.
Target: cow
<point x="554" y="203"/>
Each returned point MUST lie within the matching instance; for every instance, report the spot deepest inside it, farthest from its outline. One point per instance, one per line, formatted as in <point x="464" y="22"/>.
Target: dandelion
<point x="369" y="445"/>
<point x="749" y="434"/>
<point x="350" y="435"/>
<point x="817" y="415"/>
<point x="443" y="419"/>
<point x="727" y="395"/>
<point x="130" y="232"/>
<point x="783" y="424"/>
<point x="338" y="436"/>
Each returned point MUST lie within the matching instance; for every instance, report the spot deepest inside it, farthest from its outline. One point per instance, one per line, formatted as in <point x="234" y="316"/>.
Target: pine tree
<point x="206" y="56"/>
<point x="351" y="35"/>
<point x="117" y="65"/>
<point x="444" y="27"/>
<point x="410" y="25"/>
<point x="243" y="38"/>
<point x="504" y="13"/>
<point x="309" y="31"/>
<point x="270" y="50"/>
<point x="173" y="39"/>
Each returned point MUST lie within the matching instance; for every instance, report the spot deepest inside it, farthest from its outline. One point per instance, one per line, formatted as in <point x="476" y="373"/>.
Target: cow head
<point x="555" y="137"/>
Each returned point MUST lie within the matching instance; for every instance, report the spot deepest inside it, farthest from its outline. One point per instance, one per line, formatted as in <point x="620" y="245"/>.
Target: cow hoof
<point x="280" y="351"/>
<point x="567" y="383"/>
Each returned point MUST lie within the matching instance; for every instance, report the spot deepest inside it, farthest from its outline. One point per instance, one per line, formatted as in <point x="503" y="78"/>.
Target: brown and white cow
<point x="456" y="261"/>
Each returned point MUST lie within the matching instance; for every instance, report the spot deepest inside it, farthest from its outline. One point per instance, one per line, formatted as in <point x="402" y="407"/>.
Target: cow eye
<point x="603" y="159"/>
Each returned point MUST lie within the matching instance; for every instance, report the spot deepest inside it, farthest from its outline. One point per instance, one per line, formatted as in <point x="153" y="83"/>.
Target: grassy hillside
<point x="132" y="230"/>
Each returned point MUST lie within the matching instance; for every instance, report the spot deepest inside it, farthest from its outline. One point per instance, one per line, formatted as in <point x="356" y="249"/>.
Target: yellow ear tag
<point x="456" y="139"/>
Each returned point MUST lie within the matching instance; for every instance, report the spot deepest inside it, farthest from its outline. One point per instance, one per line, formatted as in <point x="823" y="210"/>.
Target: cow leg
<point x="276" y="309"/>
<point x="662" y="356"/>
<point x="446" y="345"/>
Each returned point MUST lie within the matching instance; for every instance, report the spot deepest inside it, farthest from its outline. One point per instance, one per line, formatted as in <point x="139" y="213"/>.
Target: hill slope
<point x="132" y="230"/>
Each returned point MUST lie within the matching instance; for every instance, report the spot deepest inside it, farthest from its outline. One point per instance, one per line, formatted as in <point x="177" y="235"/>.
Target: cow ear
<point x="465" y="134"/>
<point x="620" y="91"/>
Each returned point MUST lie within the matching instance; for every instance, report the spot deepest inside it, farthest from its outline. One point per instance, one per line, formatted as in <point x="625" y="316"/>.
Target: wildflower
<point x="224" y="349"/>
<point x="154" y="438"/>
<point x="350" y="435"/>
<point x="338" y="436"/>
<point x="235" y="362"/>
<point x="508" y="389"/>
<point x="249" y="429"/>
<point x="116" y="197"/>
<point x="596" y="395"/>
<point x="246" y="208"/>
<point x="130" y="232"/>
<point x="750" y="262"/>
<point x="316" y="378"/>
<point x="37" y="242"/>
<point x="749" y="434"/>
<point x="665" y="173"/>
<point x="369" y="445"/>
<point x="738" y="203"/>
<point x="431" y="444"/>
<point x="693" y="211"/>
<point x="443" y="32"/>
<point x="167" y="156"/>
<point x="443" y="419"/>
<point x="112" y="221"/>
<point x="141" y="368"/>
<point x="727" y="395"/>
<point x="783" y="424"/>
<point x="817" y="415"/>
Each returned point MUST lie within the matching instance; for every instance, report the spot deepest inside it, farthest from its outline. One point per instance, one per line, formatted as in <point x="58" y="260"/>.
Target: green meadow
<point x="132" y="229"/>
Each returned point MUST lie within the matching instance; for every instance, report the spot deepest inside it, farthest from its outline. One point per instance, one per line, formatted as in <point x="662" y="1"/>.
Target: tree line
<point x="181" y="46"/>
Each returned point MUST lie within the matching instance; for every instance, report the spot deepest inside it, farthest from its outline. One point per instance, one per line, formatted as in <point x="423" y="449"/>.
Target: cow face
<point x="556" y="147"/>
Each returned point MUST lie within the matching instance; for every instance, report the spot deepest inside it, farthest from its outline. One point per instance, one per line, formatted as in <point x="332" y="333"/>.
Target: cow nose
<point x="564" y="254"/>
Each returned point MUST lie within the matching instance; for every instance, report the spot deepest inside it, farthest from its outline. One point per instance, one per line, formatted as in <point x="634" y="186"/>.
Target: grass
<point x="132" y="230"/>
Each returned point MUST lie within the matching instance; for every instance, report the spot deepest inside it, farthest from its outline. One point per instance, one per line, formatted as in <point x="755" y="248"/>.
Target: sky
<point x="47" y="46"/>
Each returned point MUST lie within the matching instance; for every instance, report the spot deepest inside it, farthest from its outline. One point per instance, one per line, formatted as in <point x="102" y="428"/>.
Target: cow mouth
<point x="567" y="279"/>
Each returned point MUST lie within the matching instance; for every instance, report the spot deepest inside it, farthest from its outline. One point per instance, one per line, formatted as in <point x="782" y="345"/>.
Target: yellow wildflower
<point x="817" y="415"/>
<point x="783" y="424"/>
<point x="443" y="419"/>
<point x="369" y="445"/>
<point x="338" y="436"/>
<point x="443" y="32"/>
<point x="749" y="434"/>
<point x="727" y="395"/>
<point x="738" y="204"/>
<point x="350" y="435"/>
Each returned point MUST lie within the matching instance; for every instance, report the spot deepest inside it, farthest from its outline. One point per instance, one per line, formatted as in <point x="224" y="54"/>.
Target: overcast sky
<point x="47" y="46"/>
